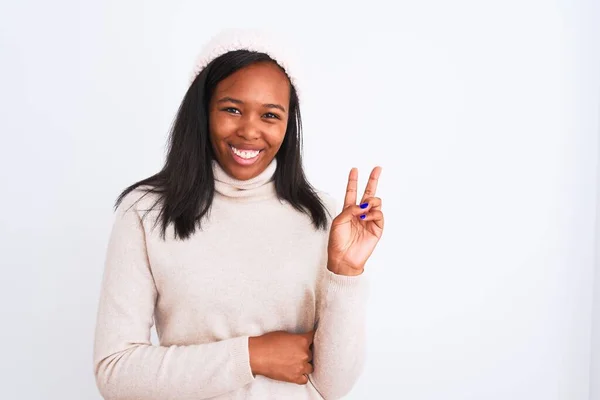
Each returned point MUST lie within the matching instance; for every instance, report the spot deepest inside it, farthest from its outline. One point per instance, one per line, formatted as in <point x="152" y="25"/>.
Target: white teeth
<point x="247" y="154"/>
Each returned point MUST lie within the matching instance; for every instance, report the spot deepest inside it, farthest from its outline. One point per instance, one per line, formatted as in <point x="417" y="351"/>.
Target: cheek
<point x="275" y="137"/>
<point x="219" y="128"/>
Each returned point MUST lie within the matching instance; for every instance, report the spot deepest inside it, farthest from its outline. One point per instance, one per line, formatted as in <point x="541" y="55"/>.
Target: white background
<point x="483" y="114"/>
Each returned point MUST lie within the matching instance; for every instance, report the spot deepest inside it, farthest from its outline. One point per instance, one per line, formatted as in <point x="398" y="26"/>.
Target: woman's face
<point x="248" y="117"/>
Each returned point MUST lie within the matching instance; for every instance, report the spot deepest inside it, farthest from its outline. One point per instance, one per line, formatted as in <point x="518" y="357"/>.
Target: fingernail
<point x="364" y="205"/>
<point x="363" y="216"/>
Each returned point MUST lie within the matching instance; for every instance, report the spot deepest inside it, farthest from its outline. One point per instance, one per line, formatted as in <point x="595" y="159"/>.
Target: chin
<point x="242" y="173"/>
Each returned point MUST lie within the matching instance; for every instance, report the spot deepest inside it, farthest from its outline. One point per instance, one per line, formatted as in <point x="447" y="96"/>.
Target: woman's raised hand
<point x="357" y="229"/>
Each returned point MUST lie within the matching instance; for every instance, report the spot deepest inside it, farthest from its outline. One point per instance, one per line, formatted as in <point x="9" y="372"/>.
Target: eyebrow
<point x="236" y="101"/>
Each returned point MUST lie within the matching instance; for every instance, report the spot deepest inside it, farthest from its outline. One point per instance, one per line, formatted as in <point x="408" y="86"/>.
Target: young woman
<point x="254" y="283"/>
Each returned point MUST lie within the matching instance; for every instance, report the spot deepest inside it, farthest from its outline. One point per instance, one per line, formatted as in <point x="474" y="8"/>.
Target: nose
<point x="248" y="128"/>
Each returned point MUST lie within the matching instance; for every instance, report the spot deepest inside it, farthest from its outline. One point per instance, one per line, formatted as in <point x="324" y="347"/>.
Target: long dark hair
<point x="185" y="186"/>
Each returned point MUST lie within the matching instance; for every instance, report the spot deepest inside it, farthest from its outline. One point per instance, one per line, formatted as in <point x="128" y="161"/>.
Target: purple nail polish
<point x="363" y="216"/>
<point x="364" y="205"/>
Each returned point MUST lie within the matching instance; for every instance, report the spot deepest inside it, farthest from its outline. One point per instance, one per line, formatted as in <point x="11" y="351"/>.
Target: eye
<point x="271" y="115"/>
<point x="232" y="110"/>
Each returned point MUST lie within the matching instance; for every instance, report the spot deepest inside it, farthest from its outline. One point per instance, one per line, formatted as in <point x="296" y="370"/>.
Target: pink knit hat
<point x="263" y="41"/>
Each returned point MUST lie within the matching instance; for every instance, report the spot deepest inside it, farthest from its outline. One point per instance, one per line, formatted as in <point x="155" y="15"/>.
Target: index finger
<point x="350" y="199"/>
<point x="372" y="184"/>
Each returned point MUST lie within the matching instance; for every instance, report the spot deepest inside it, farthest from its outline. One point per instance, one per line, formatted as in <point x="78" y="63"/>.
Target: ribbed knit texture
<point x="257" y="266"/>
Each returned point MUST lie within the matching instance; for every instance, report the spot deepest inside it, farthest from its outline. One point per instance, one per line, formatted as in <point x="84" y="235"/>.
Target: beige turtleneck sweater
<point x="257" y="266"/>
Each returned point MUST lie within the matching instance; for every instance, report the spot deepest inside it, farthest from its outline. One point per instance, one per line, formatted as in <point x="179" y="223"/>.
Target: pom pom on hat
<point x="248" y="39"/>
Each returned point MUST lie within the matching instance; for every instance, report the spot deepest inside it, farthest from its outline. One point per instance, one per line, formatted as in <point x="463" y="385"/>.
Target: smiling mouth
<point x="245" y="157"/>
<point x="246" y="154"/>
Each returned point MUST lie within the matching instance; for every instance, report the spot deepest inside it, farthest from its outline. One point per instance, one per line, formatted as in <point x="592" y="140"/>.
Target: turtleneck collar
<point x="259" y="187"/>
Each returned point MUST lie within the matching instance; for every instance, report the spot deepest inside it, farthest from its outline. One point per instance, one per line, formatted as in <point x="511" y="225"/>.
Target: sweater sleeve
<point x="126" y="364"/>
<point x="339" y="344"/>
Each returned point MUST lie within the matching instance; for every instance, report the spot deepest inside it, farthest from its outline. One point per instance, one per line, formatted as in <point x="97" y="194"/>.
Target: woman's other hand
<point x="282" y="356"/>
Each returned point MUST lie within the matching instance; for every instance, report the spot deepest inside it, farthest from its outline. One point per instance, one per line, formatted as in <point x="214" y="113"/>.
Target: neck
<point x="260" y="187"/>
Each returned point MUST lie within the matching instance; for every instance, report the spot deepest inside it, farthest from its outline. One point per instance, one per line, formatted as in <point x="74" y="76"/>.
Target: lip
<point x="247" y="148"/>
<point x="243" y="161"/>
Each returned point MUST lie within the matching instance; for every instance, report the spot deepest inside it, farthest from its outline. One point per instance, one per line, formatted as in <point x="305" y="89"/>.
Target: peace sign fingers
<point x="371" y="185"/>
<point x="350" y="199"/>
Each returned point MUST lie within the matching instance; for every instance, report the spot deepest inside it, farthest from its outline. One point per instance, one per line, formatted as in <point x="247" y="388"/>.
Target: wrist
<point x="344" y="269"/>
<point x="254" y="356"/>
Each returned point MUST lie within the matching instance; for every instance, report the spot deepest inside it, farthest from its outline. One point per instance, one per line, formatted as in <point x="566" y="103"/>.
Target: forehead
<point x="262" y="82"/>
